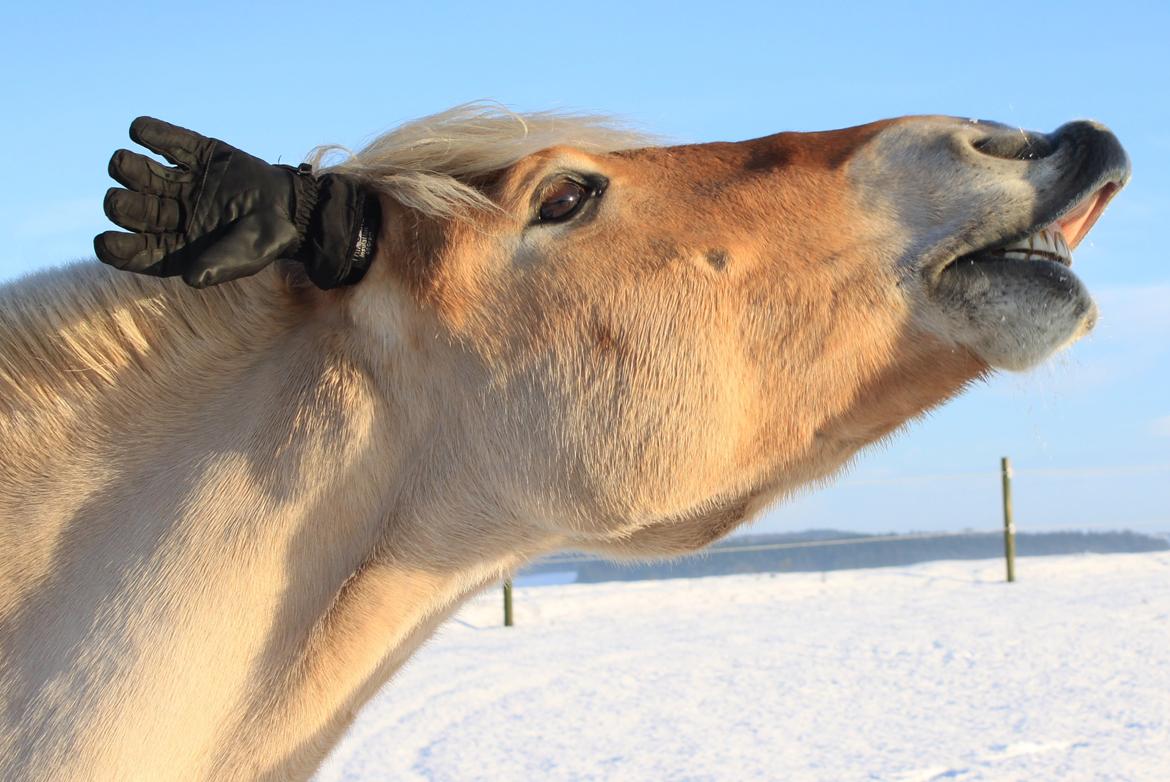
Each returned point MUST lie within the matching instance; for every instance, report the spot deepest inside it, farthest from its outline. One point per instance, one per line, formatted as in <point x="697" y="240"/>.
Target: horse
<point x="230" y="515"/>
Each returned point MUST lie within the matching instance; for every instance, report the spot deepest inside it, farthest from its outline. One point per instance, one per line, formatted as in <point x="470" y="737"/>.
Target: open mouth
<point x="1009" y="295"/>
<point x="1055" y="241"/>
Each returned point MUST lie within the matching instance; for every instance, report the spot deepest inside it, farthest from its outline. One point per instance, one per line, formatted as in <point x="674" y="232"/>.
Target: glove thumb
<point x="247" y="246"/>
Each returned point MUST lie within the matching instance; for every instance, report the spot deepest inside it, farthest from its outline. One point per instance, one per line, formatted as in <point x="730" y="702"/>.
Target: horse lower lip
<point x="1033" y="258"/>
<point x="998" y="255"/>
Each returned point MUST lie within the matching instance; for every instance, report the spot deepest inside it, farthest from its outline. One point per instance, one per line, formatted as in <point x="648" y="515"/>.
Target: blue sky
<point x="1089" y="432"/>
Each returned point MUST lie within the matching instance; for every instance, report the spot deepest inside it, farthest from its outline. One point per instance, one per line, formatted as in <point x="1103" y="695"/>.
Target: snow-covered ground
<point x="933" y="672"/>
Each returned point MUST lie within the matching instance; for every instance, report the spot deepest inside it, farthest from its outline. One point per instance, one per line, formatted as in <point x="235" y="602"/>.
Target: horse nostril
<point x="1015" y="145"/>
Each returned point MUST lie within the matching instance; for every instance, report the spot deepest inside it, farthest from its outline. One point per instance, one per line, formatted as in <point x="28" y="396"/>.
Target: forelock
<point x="431" y="164"/>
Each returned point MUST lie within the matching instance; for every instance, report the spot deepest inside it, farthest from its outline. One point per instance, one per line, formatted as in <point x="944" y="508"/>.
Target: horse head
<point x="637" y="349"/>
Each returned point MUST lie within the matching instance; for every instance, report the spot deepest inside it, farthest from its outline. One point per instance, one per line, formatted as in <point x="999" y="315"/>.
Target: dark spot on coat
<point x="602" y="336"/>
<point x="768" y="157"/>
<point x="717" y="258"/>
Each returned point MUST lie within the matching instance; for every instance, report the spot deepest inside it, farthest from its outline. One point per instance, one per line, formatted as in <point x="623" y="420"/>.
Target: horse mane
<point x="430" y="164"/>
<point x="77" y="327"/>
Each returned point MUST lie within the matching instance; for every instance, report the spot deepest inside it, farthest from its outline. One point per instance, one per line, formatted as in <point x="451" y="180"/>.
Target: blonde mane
<point x="74" y="329"/>
<point x="431" y="164"/>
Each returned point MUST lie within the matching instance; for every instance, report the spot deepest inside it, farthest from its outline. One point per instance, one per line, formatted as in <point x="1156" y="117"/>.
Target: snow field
<point x="933" y="672"/>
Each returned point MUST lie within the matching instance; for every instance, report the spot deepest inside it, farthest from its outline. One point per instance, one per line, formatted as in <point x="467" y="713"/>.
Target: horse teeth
<point x="1048" y="244"/>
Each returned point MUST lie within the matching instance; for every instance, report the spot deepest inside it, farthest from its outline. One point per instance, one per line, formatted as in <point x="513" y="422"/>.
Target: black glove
<point x="223" y="214"/>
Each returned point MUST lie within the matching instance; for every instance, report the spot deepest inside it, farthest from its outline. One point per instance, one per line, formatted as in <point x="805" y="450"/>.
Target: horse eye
<point x="562" y="200"/>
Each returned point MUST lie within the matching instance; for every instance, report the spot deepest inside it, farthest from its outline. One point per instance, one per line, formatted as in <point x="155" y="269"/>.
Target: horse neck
<point x="197" y="504"/>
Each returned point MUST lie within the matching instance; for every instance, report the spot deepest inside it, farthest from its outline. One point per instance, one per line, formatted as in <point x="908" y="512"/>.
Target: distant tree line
<point x="868" y="552"/>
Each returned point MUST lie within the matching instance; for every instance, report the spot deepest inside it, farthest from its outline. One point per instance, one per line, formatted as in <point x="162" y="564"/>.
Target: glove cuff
<point x="341" y="232"/>
<point x="305" y="195"/>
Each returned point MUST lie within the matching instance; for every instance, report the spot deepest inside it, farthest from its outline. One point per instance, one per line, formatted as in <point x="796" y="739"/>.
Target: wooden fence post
<point x="1009" y="527"/>
<point x="508" y="603"/>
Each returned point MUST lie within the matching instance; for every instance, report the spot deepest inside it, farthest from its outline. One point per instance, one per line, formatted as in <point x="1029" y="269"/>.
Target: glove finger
<point x="138" y="172"/>
<point x="141" y="212"/>
<point x="116" y="248"/>
<point x="180" y="146"/>
<point x="142" y="253"/>
<point x="248" y="246"/>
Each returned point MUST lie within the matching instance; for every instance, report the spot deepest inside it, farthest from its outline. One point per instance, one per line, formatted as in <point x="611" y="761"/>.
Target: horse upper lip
<point x="1101" y="168"/>
<point x="1076" y="221"/>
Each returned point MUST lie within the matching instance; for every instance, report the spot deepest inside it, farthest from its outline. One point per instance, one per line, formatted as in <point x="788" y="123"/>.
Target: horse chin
<point x="1012" y="314"/>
